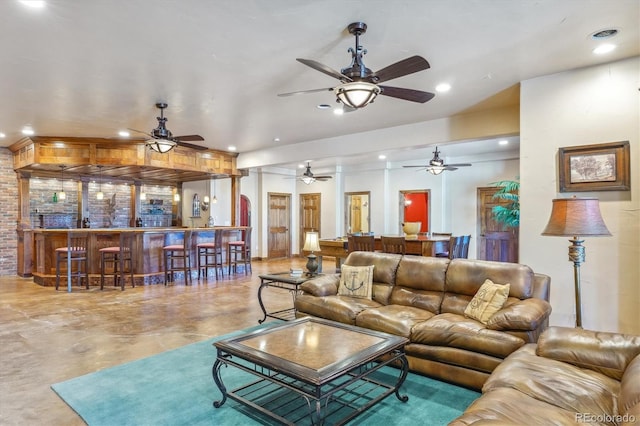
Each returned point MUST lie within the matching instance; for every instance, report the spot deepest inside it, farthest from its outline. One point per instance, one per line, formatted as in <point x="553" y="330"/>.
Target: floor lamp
<point x="576" y="217"/>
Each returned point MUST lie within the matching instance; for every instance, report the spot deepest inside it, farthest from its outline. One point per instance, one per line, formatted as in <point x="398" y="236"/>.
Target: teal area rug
<point x="176" y="388"/>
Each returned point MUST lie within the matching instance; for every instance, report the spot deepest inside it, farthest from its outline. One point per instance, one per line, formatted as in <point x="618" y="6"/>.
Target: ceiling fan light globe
<point x="357" y="94"/>
<point x="308" y="180"/>
<point x="161" y="145"/>
<point x="435" y="170"/>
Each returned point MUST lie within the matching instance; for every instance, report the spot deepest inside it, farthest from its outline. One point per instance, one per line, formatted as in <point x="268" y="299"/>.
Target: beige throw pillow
<point x="489" y="299"/>
<point x="356" y="281"/>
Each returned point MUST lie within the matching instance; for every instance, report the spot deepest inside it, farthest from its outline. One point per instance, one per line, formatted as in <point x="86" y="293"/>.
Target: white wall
<point x="585" y="106"/>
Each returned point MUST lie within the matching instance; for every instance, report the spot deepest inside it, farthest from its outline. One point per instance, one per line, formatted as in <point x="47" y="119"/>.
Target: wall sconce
<point x="205" y="203"/>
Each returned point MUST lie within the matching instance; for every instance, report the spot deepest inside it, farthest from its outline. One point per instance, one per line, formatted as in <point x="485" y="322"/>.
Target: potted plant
<point x="508" y="215"/>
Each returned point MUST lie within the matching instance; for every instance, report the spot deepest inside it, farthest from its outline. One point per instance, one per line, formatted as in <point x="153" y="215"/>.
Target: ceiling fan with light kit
<point x="161" y="138"/>
<point x="359" y="86"/>
<point x="436" y="164"/>
<point x="308" y="177"/>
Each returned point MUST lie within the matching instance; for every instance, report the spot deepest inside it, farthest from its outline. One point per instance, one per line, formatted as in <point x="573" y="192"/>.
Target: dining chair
<point x="74" y="252"/>
<point x="180" y="253"/>
<point x="361" y="243"/>
<point x="460" y="250"/>
<point x="393" y="244"/>
<point x="121" y="258"/>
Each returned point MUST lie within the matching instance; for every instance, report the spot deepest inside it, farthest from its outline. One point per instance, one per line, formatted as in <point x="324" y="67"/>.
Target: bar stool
<point x="180" y="253"/>
<point x="119" y="257"/>
<point x="75" y="251"/>
<point x="211" y="253"/>
<point x="240" y="252"/>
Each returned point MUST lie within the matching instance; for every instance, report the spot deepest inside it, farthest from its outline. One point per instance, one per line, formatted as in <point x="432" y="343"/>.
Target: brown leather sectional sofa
<point x="572" y="376"/>
<point x="424" y="299"/>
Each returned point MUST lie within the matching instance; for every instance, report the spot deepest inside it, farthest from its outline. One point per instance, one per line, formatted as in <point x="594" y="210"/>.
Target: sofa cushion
<point x="336" y="308"/>
<point x="464" y="278"/>
<point x="516" y="314"/>
<point x="488" y="300"/>
<point x="555" y="382"/>
<point x="507" y="406"/>
<point x="420" y="282"/>
<point x="456" y="331"/>
<point x="356" y="281"/>
<point x="607" y="353"/>
<point x="393" y="319"/>
<point x="384" y="271"/>
<point x="322" y="285"/>
<point x="629" y="400"/>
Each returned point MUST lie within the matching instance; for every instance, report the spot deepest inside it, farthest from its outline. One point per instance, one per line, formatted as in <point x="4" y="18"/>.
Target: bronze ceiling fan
<point x="308" y="177"/>
<point x="161" y="138"/>
<point x="436" y="164"/>
<point x="359" y="86"/>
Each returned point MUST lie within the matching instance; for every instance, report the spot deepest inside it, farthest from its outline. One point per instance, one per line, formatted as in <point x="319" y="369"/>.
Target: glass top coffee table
<point x="312" y="370"/>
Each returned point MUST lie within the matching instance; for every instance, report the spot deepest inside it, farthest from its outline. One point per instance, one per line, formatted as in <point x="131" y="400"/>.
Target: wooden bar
<point x="147" y="259"/>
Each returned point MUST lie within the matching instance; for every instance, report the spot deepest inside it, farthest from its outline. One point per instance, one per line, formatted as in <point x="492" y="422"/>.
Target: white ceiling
<point x="94" y="67"/>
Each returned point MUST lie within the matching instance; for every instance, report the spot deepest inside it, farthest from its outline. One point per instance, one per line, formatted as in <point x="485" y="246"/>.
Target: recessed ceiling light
<point x="124" y="134"/>
<point x="231" y="148"/>
<point x="338" y="111"/>
<point x="604" y="48"/>
<point x="36" y="4"/>
<point x="324" y="106"/>
<point x="503" y="142"/>
<point x="28" y="131"/>
<point x="443" y="87"/>
<point x="602" y="34"/>
<point x="276" y="139"/>
<point x="2" y="135"/>
<point x="382" y="157"/>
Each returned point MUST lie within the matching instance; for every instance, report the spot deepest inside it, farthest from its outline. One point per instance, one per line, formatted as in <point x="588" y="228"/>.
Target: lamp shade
<point x="357" y="94"/>
<point x="311" y="242"/>
<point x="161" y="145"/>
<point x="576" y="217"/>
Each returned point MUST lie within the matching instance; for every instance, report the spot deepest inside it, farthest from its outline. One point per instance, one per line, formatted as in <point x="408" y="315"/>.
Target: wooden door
<point x="494" y="242"/>
<point x="309" y="215"/>
<point x="279" y="219"/>
<point x="356" y="214"/>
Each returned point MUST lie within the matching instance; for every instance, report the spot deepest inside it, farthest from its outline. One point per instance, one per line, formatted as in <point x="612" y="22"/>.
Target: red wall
<point x="418" y="210"/>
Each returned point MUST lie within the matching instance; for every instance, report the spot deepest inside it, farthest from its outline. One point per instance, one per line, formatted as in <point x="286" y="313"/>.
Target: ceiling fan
<point x="359" y="85"/>
<point x="436" y="164"/>
<point x="161" y="138"/>
<point x="308" y="177"/>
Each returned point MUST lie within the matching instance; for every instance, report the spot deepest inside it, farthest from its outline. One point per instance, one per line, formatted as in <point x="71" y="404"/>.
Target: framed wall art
<point x="599" y="167"/>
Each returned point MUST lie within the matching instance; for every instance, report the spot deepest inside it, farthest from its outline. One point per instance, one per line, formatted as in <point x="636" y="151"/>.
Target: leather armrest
<point x="527" y="314"/>
<point x="324" y="285"/>
<point x="607" y="353"/>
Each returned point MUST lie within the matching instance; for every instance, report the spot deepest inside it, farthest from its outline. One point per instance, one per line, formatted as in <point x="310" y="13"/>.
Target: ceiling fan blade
<point x="323" y="177"/>
<point x="190" y="138"/>
<point x="458" y="165"/>
<point x="140" y="131"/>
<point x="424" y="167"/>
<point x="407" y="94"/>
<point x="329" y="89"/>
<point x="192" y="146"/>
<point x="450" y="168"/>
<point x="400" y="68"/>
<point x="323" y="69"/>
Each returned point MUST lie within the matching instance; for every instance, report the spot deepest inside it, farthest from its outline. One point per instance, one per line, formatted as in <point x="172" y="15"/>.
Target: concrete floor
<point x="48" y="336"/>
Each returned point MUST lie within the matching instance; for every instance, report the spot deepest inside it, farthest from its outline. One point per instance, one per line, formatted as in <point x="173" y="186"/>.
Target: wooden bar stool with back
<point x="120" y="258"/>
<point x="239" y="252"/>
<point x="180" y="253"/>
<point x="74" y="252"/>
<point x="210" y="254"/>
